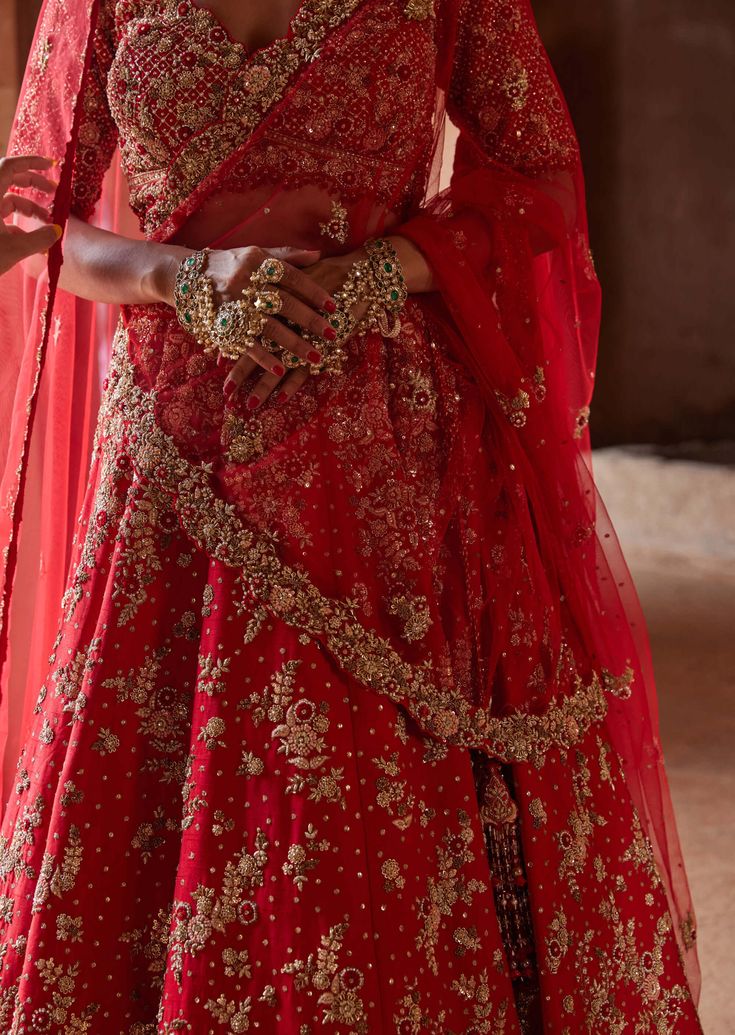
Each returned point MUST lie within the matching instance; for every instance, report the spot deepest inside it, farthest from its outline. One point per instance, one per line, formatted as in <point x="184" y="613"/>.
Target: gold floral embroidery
<point x="414" y="613"/>
<point x="300" y="725"/>
<point x="393" y="879"/>
<point x="68" y="928"/>
<point x="640" y="852"/>
<point x="68" y="679"/>
<point x="61" y="981"/>
<point x="393" y="794"/>
<point x="43" y="52"/>
<point x="287" y="593"/>
<point x="419" y="10"/>
<point x="213" y="673"/>
<point x="193" y="927"/>
<point x="107" y="742"/>
<point x="339" y="987"/>
<point x="338" y="225"/>
<point x="477" y="991"/>
<point x="11" y="852"/>
<point x="688" y="928"/>
<point x="581" y="421"/>
<point x="513" y="408"/>
<point x="212" y="732"/>
<point x="640" y="967"/>
<point x="411" y="1013"/>
<point x="62" y="878"/>
<point x="557" y="941"/>
<point x="151" y="835"/>
<point x="235" y="1015"/>
<point x="163" y="714"/>
<point x="448" y="889"/>
<point x="264" y="81"/>
<point x="574" y="840"/>
<point x="537" y="812"/>
<point x="299" y="862"/>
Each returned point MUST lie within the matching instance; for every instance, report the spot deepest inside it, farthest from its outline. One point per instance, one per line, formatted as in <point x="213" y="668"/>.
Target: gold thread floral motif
<point x="339" y="986"/>
<point x="267" y="78"/>
<point x="288" y="594"/>
<point x="338" y="225"/>
<point x="419" y="10"/>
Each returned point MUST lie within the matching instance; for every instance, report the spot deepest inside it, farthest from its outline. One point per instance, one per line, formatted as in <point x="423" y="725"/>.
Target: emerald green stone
<point x="394" y="296"/>
<point x="187" y="317"/>
<point x="184" y="289"/>
<point x="388" y="267"/>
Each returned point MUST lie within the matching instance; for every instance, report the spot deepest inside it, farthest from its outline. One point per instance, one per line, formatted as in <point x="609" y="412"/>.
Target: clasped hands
<point x="306" y="302"/>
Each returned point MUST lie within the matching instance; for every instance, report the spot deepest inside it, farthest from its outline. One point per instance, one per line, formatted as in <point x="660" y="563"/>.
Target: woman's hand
<point x="326" y="276"/>
<point x="303" y="301"/>
<point x="17" y="244"/>
<point x="330" y="274"/>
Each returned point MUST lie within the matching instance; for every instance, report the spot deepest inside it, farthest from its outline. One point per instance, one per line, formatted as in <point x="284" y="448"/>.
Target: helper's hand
<point x="17" y="244"/>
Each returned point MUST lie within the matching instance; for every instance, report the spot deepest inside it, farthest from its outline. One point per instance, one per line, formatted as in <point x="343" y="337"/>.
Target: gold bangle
<point x="193" y="295"/>
<point x="388" y="273"/>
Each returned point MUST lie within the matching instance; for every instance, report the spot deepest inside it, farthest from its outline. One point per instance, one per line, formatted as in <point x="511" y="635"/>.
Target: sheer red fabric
<point x="333" y="134"/>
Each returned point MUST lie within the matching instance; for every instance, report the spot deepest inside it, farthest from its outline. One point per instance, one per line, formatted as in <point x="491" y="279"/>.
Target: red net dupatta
<point x="50" y="386"/>
<point x="507" y="241"/>
<point x="516" y="295"/>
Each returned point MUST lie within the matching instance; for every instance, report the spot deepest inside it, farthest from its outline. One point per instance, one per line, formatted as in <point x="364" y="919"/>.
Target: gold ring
<point x="270" y="271"/>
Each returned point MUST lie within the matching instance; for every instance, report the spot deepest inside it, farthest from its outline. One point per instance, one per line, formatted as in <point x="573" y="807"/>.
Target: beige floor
<point x="677" y="521"/>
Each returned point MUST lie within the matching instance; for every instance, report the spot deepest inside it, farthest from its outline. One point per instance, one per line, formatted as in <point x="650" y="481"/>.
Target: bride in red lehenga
<point x="348" y="722"/>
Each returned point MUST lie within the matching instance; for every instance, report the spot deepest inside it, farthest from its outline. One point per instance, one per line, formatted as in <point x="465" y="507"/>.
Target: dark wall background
<point x="651" y="86"/>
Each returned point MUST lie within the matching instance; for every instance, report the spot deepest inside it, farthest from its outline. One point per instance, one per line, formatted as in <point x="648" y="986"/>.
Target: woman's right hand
<point x="303" y="302"/>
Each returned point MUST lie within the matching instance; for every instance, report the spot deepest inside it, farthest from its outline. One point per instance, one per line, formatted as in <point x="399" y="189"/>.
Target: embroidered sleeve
<point x="502" y="91"/>
<point x="97" y="132"/>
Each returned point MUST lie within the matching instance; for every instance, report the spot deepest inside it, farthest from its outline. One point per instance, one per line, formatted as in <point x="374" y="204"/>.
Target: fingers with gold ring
<point x="270" y="271"/>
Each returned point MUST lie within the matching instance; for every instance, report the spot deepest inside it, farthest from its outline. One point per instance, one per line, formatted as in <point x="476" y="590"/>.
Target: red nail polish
<point x="313" y="356"/>
<point x="329" y="333"/>
<point x="330" y="305"/>
<point x="281" y="398"/>
<point x="278" y="369"/>
<point x="229" y="388"/>
<point x="253" y="402"/>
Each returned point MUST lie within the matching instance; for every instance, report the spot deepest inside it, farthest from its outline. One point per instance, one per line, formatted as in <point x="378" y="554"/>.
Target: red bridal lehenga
<point x="349" y="723"/>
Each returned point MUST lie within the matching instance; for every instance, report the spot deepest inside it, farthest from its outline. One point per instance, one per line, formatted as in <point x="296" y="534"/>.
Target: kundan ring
<point x="268" y="302"/>
<point x="235" y="327"/>
<point x="270" y="271"/>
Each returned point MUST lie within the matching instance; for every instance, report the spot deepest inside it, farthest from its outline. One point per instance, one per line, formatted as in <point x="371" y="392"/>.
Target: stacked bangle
<point x="388" y="274"/>
<point x="378" y="281"/>
<point x="194" y="297"/>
